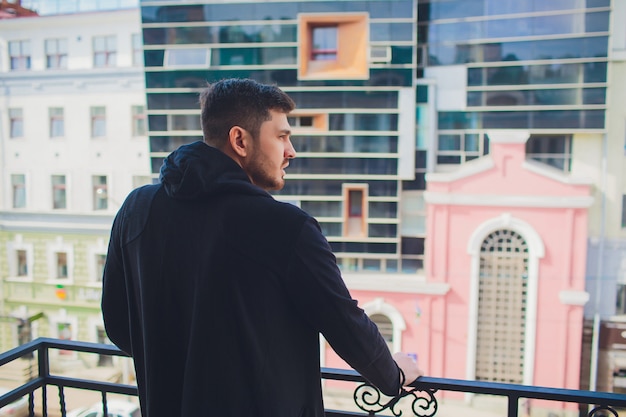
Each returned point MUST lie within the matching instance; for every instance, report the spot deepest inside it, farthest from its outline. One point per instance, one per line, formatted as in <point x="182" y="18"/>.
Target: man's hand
<point x="408" y="366"/>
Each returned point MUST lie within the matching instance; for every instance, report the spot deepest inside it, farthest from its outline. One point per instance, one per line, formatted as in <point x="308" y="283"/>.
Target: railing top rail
<point x="428" y="385"/>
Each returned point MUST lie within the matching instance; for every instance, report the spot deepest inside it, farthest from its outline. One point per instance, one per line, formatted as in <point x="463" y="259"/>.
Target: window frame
<point x="13" y="247"/>
<point x="139" y="120"/>
<point x="17" y="187"/>
<point x="105" y="55"/>
<point x="59" y="187"/>
<point x="332" y="50"/>
<point x="19" y="55"/>
<point x="16" y="122"/>
<point x="56" y="122"/>
<point x="352" y="46"/>
<point x="100" y="192"/>
<point x="98" y="122"/>
<point x="56" y="248"/>
<point x="56" y="53"/>
<point x="355" y="225"/>
<point x="137" y="45"/>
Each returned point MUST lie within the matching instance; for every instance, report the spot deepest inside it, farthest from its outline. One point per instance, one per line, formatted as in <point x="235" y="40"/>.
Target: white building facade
<point x="73" y="143"/>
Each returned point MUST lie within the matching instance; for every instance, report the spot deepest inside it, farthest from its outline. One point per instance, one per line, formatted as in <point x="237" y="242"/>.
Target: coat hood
<point x="198" y="171"/>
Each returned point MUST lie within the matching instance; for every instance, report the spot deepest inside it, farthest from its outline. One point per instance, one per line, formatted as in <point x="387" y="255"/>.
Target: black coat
<point x="219" y="293"/>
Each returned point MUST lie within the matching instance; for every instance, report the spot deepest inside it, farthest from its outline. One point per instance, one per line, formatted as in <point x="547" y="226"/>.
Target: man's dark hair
<point x="239" y="102"/>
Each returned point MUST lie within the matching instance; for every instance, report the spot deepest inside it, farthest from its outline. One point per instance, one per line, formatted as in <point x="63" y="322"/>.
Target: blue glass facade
<point x="540" y="66"/>
<point x="362" y="127"/>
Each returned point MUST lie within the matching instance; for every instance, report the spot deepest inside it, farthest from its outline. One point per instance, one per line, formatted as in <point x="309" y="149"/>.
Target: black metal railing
<point x="420" y="399"/>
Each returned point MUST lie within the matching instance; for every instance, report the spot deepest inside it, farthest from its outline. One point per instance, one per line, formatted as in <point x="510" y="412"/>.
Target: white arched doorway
<point x="520" y="237"/>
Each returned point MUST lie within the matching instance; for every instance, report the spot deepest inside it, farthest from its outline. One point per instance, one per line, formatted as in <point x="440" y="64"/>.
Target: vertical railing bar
<point x="31" y="404"/>
<point x="513" y="405"/>
<point x="62" y="400"/>
<point x="105" y="408"/>
<point x="44" y="373"/>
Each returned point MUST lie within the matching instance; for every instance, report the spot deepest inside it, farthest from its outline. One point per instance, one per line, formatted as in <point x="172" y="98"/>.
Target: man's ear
<point x="238" y="141"/>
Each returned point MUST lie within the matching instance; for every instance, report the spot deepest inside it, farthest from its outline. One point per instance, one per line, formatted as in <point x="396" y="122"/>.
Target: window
<point x="333" y="46"/>
<point x="324" y="43"/>
<point x="56" y="53"/>
<point x="63" y="326"/>
<point x="61" y="265"/>
<point x="60" y="258"/>
<point x="59" y="192"/>
<point x="100" y="192"/>
<point x="104" y="51"/>
<point x="554" y="150"/>
<point x="187" y="57"/>
<point x="19" y="258"/>
<point x="18" y="185"/>
<point x="98" y="122"/>
<point x="16" y="123"/>
<point x="458" y="147"/>
<point x="139" y="120"/>
<point x="22" y="262"/>
<point x="502" y="307"/>
<point x="413" y="212"/>
<point x="100" y="260"/>
<point x="308" y="121"/>
<point x="355" y="210"/>
<point x="385" y="327"/>
<point x="64" y="332"/>
<point x="19" y="55"/>
<point x="57" y="123"/>
<point x="137" y="50"/>
<point x="412" y="254"/>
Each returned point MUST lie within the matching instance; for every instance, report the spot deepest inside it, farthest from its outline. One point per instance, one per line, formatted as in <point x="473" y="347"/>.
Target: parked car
<point x="115" y="408"/>
<point x="18" y="408"/>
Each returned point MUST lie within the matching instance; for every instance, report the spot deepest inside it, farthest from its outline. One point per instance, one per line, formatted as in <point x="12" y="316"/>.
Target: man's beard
<point x="259" y="174"/>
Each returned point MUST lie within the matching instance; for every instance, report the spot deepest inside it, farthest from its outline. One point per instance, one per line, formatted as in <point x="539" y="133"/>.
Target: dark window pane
<point x="597" y="22"/>
<point x="448" y="159"/>
<point x="383" y="209"/>
<point x="594" y="96"/>
<point x="412" y="245"/>
<point x="595" y="72"/>
<point x="419" y="183"/>
<point x="382" y="230"/>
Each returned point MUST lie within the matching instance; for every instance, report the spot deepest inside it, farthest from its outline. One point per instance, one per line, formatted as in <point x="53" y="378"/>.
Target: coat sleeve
<point x="114" y="303"/>
<point x="322" y="297"/>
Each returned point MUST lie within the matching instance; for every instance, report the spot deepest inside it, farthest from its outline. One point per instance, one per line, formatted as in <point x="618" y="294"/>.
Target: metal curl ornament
<point x="424" y="402"/>
<point x="369" y="399"/>
<point x="598" y="411"/>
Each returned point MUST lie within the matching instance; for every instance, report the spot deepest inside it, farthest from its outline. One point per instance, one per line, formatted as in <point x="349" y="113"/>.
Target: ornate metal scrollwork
<point x="602" y="411"/>
<point x="370" y="400"/>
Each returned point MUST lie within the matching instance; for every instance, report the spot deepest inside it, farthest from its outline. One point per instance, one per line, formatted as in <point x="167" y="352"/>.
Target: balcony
<point x="427" y="397"/>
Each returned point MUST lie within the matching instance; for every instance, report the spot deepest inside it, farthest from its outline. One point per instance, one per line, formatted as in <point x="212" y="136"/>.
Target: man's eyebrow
<point x="285" y="131"/>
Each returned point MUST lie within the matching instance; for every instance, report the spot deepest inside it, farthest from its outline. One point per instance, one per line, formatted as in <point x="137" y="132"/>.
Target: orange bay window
<point x="355" y="210"/>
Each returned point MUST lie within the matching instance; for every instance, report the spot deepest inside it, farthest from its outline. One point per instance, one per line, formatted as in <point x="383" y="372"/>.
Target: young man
<point x="218" y="291"/>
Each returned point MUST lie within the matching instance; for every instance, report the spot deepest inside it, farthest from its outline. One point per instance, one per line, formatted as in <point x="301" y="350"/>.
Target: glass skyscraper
<point x="349" y="65"/>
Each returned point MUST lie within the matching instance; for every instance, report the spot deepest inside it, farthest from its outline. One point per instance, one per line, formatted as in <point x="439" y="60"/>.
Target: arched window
<point x="502" y="307"/>
<point x="385" y="327"/>
<point x="389" y="321"/>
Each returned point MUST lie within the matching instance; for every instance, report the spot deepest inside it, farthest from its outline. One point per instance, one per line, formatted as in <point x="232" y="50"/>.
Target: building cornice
<point x="397" y="283"/>
<point x="55" y="222"/>
<point x="498" y="200"/>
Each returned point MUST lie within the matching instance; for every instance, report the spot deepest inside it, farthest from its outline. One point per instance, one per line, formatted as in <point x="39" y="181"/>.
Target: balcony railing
<point x="421" y="400"/>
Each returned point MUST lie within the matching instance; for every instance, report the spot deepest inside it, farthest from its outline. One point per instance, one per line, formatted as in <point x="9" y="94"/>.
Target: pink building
<point x="503" y="293"/>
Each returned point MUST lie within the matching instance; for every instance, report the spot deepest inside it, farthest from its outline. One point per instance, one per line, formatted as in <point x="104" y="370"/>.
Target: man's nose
<point x="290" y="151"/>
